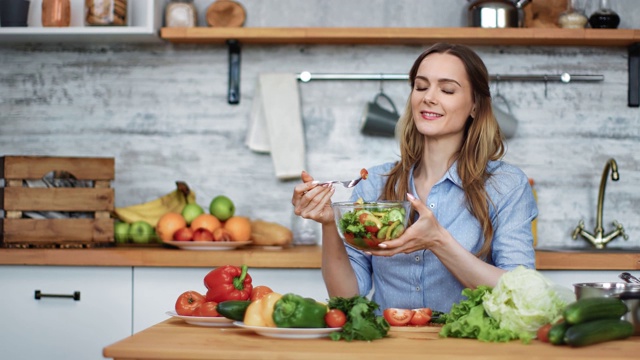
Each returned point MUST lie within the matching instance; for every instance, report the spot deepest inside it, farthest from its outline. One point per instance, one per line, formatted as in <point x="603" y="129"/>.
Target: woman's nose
<point x="429" y="96"/>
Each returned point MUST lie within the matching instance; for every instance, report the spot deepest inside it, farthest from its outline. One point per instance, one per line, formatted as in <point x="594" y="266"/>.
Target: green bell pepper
<point x="294" y="311"/>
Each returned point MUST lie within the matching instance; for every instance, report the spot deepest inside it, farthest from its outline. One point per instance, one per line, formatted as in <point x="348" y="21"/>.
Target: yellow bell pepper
<point x="260" y="312"/>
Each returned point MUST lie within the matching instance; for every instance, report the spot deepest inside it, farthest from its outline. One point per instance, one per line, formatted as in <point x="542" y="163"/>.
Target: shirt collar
<point x="451" y="175"/>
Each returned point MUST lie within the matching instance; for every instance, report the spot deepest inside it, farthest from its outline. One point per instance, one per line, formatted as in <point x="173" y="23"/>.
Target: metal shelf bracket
<point x="233" y="93"/>
<point x="634" y="75"/>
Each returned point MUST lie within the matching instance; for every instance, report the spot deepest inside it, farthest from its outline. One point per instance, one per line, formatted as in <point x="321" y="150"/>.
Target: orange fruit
<point x="168" y="224"/>
<point x="239" y="227"/>
<point x="206" y="221"/>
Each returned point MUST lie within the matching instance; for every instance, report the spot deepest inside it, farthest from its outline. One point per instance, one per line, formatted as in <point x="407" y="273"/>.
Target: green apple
<point x="191" y="211"/>
<point x="141" y="232"/>
<point x="222" y="207"/>
<point x="121" y="232"/>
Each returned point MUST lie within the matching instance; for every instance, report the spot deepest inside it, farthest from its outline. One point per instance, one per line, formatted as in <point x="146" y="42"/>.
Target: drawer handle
<point x="75" y="296"/>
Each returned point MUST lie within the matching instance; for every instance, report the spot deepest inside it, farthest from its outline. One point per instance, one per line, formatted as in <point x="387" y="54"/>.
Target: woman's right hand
<point x="313" y="201"/>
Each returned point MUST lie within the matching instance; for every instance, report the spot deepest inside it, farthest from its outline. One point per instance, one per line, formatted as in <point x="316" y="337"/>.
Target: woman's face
<point x="442" y="98"/>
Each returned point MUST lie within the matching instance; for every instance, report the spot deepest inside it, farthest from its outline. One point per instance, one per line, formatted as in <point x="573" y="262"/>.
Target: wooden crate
<point x="98" y="201"/>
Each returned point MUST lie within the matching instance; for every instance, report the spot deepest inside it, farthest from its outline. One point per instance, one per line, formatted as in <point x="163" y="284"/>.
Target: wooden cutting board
<point x="225" y="13"/>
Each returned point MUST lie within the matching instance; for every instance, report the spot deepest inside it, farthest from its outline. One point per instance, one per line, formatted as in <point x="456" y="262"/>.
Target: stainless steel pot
<point x="496" y="13"/>
<point x="629" y="293"/>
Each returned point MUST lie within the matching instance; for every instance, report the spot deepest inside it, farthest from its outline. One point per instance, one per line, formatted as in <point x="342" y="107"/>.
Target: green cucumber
<point x="597" y="331"/>
<point x="557" y="332"/>
<point x="588" y="309"/>
<point x="233" y="309"/>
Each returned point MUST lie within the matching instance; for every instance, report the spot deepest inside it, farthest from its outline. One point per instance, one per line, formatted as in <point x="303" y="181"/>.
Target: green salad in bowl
<point x="364" y="225"/>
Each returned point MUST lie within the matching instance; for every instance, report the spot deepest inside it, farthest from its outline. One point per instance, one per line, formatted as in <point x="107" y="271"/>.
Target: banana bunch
<point x="152" y="211"/>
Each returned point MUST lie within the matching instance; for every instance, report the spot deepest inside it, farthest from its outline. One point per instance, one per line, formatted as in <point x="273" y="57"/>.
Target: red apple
<point x="183" y="234"/>
<point x="202" y="234"/>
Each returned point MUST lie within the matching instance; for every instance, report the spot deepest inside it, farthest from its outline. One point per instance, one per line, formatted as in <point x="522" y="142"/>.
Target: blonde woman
<point x="473" y="212"/>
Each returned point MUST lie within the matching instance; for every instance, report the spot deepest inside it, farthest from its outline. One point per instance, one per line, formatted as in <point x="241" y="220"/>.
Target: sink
<point x="608" y="249"/>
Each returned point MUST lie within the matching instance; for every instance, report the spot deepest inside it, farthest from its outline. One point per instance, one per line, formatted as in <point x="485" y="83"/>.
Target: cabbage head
<point x="524" y="300"/>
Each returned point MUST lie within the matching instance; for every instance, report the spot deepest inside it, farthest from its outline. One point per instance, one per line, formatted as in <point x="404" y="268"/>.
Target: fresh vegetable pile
<point x="361" y="321"/>
<point x="522" y="301"/>
<point x="589" y="321"/>
<point x="367" y="227"/>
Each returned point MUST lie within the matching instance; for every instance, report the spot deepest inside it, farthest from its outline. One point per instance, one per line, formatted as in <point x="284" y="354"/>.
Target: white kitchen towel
<point x="275" y="125"/>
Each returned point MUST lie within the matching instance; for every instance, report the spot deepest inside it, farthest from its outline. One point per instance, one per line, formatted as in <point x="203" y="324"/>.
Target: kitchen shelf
<point x="404" y="36"/>
<point x="233" y="37"/>
<point x="144" y="19"/>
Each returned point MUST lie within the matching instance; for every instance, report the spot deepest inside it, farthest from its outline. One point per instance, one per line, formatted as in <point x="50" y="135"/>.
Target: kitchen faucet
<point x="598" y="239"/>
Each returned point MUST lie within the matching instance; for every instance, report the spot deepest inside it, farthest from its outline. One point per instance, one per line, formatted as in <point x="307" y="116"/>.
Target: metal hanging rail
<point x="566" y="78"/>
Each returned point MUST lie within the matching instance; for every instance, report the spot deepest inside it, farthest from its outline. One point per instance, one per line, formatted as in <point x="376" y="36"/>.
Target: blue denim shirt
<point x="419" y="279"/>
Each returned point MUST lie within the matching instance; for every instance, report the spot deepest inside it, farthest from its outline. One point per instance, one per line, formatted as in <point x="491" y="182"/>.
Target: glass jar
<point x="105" y="12"/>
<point x="56" y="13"/>
<point x="180" y="13"/>
<point x="305" y="231"/>
<point x="604" y="17"/>
<point x="574" y="17"/>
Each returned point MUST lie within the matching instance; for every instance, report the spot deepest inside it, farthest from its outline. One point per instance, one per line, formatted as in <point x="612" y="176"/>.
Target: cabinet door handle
<point x="75" y="296"/>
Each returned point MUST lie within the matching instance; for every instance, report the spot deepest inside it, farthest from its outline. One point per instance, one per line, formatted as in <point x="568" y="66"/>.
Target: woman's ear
<point x="473" y="112"/>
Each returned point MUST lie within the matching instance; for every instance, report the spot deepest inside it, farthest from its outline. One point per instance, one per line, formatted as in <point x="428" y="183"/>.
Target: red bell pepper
<point x="228" y="283"/>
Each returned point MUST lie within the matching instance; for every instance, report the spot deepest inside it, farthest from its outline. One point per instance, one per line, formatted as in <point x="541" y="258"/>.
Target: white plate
<point x="202" y="320"/>
<point x="208" y="245"/>
<point x="288" y="333"/>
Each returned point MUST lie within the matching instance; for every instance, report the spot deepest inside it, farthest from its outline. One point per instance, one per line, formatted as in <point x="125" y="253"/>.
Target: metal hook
<point x="545" y="86"/>
<point x="381" y="83"/>
<point x="497" y="85"/>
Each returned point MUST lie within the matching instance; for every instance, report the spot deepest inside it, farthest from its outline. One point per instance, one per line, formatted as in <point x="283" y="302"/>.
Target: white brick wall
<point x="161" y="111"/>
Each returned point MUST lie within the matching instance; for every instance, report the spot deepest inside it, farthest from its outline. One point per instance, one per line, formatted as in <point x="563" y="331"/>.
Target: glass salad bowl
<point x="364" y="225"/>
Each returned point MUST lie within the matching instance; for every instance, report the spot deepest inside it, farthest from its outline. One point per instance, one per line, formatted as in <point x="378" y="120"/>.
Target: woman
<point x="473" y="211"/>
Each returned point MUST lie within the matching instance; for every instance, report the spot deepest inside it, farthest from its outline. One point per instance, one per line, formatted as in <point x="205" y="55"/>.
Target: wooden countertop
<point x="175" y="339"/>
<point x="293" y="257"/>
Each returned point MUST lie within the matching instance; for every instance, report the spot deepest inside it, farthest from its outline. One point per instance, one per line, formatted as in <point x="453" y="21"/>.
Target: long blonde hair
<point x="482" y="142"/>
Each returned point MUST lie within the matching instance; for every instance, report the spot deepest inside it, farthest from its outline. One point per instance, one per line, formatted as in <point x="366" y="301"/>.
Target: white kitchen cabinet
<point x="156" y="290"/>
<point x="63" y="328"/>
<point x="144" y="18"/>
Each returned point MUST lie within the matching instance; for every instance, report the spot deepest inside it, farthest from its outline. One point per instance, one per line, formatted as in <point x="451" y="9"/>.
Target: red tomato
<point x="543" y="333"/>
<point x="335" y="318"/>
<point x="259" y="292"/>
<point x="207" y="309"/>
<point x="188" y="301"/>
<point x="397" y="317"/>
<point x="421" y="317"/>
<point x="372" y="229"/>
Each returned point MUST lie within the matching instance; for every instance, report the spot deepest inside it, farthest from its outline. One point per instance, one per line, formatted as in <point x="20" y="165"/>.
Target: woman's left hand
<point x="425" y="234"/>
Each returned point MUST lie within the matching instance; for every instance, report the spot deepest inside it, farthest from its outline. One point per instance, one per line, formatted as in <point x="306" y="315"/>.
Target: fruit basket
<point x="56" y="201"/>
<point x="364" y="225"/>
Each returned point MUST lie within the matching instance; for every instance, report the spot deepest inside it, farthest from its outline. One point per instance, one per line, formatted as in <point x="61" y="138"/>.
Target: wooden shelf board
<point x="404" y="36"/>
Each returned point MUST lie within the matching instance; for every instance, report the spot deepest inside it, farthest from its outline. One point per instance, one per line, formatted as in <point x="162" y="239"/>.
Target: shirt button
<point x="417" y="258"/>
<point x="432" y="205"/>
<point x="417" y="288"/>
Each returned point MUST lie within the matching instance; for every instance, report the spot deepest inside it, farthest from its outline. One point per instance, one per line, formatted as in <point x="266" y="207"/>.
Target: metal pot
<point x="496" y="13"/>
<point x="628" y="293"/>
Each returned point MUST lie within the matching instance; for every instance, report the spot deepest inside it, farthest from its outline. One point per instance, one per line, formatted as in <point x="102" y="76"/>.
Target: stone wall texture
<point x="161" y="111"/>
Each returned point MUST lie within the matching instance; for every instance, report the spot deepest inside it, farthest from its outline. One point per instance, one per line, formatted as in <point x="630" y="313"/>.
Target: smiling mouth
<point x="430" y="115"/>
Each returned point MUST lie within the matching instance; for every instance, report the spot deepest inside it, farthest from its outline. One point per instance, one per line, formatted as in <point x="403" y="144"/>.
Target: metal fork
<point x="347" y="184"/>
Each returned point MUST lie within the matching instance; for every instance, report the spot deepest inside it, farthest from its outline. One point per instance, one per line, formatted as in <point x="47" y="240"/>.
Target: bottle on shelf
<point x="534" y="223"/>
<point x="56" y="13"/>
<point x="604" y="17"/>
<point x="574" y="17"/>
<point x="106" y="12"/>
<point x="180" y="13"/>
